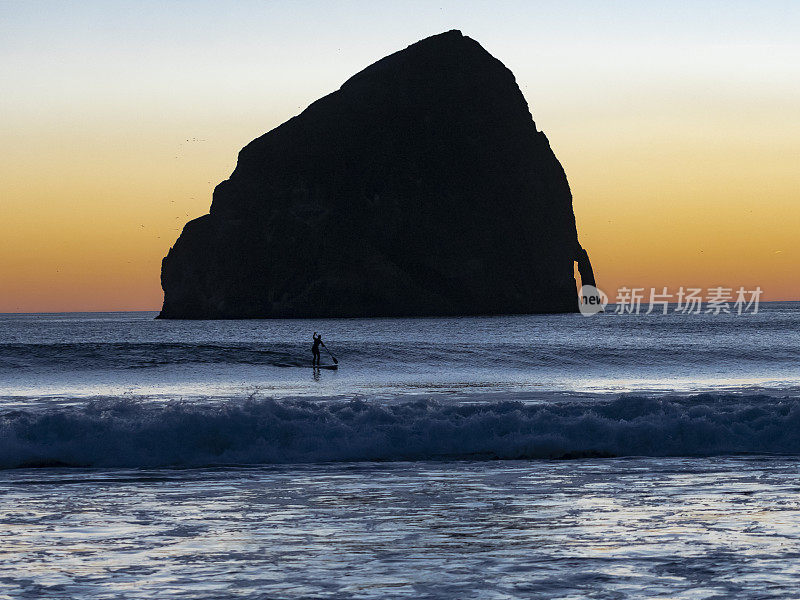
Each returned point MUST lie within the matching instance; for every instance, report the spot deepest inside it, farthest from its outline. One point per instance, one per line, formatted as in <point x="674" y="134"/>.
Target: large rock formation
<point x="420" y="187"/>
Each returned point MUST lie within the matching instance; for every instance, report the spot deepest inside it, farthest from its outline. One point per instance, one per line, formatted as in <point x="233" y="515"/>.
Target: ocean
<point x="542" y="456"/>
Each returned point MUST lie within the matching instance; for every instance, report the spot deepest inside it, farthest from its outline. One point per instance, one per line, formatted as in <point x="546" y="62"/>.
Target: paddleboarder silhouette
<point x="315" y="349"/>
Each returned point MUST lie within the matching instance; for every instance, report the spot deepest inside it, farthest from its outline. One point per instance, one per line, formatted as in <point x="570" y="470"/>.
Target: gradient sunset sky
<point x="678" y="124"/>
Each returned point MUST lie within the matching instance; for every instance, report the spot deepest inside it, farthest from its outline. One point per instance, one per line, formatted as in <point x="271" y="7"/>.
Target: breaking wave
<point x="117" y="433"/>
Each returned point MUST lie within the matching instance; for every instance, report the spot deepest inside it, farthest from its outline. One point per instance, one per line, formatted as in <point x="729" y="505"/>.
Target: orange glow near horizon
<point x="683" y="159"/>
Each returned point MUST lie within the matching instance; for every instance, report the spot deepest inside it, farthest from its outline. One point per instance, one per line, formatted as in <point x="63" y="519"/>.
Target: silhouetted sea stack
<point x="420" y="187"/>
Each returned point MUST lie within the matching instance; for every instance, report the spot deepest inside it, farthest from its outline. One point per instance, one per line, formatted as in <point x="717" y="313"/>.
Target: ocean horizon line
<point x="156" y="311"/>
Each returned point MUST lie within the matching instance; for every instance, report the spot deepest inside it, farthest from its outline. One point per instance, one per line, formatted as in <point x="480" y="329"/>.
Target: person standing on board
<point x="315" y="349"/>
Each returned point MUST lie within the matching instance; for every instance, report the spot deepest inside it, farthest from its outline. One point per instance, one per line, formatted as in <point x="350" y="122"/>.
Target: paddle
<point x="336" y="362"/>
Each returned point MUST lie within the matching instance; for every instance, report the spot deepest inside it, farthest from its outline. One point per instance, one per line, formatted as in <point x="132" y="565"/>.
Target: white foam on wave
<point x="121" y="433"/>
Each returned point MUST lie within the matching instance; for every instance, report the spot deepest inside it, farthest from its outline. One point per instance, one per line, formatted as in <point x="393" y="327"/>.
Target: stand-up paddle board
<point x="329" y="367"/>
